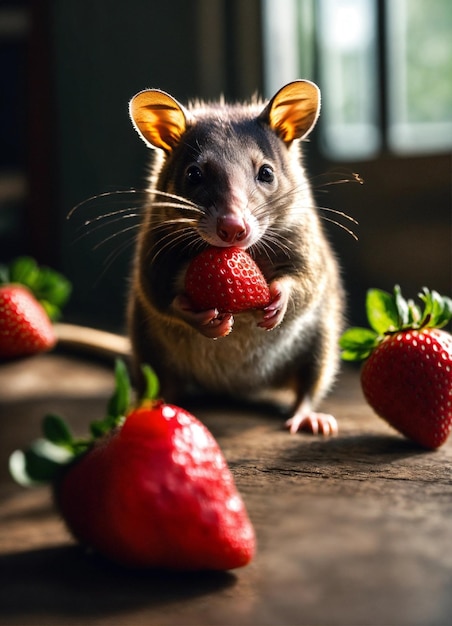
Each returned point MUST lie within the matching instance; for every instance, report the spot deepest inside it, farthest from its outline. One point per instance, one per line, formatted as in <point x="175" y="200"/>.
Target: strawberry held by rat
<point x="226" y="279"/>
<point x="150" y="490"/>
<point x="407" y="374"/>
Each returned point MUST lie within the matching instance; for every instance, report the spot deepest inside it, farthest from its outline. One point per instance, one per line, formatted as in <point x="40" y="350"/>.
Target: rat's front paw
<point x="274" y="312"/>
<point x="210" y="323"/>
<point x="313" y="422"/>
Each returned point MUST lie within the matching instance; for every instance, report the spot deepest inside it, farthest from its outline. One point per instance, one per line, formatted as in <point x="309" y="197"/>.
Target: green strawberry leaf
<point x="40" y="463"/>
<point x="446" y="315"/>
<point x="152" y="383"/>
<point x="438" y="309"/>
<point x="56" y="431"/>
<point x="120" y="401"/>
<point x="414" y="314"/>
<point x="357" y="343"/>
<point x="118" y="405"/>
<point x="24" y="270"/>
<point x="403" y="310"/>
<point x="382" y="311"/>
<point x="49" y="287"/>
<point x="52" y="287"/>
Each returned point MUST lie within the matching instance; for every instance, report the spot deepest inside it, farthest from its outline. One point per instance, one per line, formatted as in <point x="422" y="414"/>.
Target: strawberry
<point x="226" y="279"/>
<point x="25" y="327"/>
<point x="30" y="299"/>
<point x="149" y="490"/>
<point x="407" y="373"/>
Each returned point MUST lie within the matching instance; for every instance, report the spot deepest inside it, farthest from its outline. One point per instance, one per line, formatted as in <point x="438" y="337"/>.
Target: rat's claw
<point x="314" y="423"/>
<point x="210" y="323"/>
<point x="219" y="326"/>
<point x="274" y="312"/>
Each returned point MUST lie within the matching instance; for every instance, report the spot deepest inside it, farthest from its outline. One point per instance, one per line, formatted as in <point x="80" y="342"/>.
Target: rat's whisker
<point x="173" y="196"/>
<point x="171" y="240"/>
<point x="326" y="179"/>
<point x="90" y="231"/>
<point x="110" y="195"/>
<point x="347" y="230"/>
<point x="341" y="213"/>
<point x="116" y="234"/>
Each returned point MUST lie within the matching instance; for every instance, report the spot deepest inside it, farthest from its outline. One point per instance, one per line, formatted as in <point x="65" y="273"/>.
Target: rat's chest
<point x="246" y="359"/>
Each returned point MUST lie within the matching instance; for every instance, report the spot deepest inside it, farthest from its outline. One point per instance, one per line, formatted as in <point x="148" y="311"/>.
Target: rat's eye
<point x="266" y="174"/>
<point x="194" y="174"/>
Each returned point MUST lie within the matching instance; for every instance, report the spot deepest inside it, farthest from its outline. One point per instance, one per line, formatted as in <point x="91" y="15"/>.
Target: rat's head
<point x="230" y="173"/>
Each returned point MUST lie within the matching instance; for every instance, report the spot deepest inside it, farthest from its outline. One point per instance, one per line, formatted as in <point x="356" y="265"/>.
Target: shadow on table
<point x="66" y="581"/>
<point x="356" y="447"/>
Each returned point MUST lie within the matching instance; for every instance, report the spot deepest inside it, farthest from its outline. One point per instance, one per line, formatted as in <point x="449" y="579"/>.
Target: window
<point x="419" y="68"/>
<point x="384" y="68"/>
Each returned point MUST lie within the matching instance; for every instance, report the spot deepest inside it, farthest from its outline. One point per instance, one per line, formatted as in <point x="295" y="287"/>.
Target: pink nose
<point x="231" y="228"/>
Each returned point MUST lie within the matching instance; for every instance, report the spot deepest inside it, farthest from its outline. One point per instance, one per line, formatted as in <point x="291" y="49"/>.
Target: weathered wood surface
<point x="352" y="530"/>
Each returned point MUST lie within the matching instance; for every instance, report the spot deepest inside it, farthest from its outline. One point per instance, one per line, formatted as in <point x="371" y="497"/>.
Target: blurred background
<point x="69" y="67"/>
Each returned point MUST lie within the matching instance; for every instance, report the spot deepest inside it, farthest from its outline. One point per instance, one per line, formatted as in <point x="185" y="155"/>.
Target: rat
<point x="233" y="175"/>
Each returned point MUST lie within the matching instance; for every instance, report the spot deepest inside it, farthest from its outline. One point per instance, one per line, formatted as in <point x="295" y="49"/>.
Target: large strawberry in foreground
<point x="151" y="490"/>
<point x="407" y="373"/>
<point x="31" y="298"/>
<point x="226" y="279"/>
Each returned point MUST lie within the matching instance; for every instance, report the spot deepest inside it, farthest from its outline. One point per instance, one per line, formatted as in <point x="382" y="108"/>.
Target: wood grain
<point x="351" y="530"/>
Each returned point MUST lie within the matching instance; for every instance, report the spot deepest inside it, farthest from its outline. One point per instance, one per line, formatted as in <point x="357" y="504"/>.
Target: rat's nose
<point x="231" y="228"/>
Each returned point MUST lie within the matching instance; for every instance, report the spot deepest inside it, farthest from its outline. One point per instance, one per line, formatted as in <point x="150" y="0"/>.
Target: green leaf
<point x="39" y="464"/>
<point x="99" y="428"/>
<point x="438" y="309"/>
<point x="355" y="355"/>
<point x="52" y="286"/>
<point x="446" y="313"/>
<point x="382" y="311"/>
<point x="152" y="383"/>
<point x="48" y="286"/>
<point x="357" y="343"/>
<point x="120" y="401"/>
<point x="18" y="469"/>
<point x="24" y="270"/>
<point x="414" y="314"/>
<point x="56" y="430"/>
<point x="358" y="337"/>
<point x="53" y="311"/>
<point x="402" y="307"/>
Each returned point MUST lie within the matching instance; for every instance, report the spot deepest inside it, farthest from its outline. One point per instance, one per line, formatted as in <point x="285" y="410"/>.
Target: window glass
<point x="419" y="65"/>
<point x="339" y="44"/>
<point x="285" y="45"/>
<point x="346" y="32"/>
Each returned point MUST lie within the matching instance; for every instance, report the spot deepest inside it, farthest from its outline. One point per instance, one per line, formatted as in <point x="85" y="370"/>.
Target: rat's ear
<point x="293" y="111"/>
<point x="159" y="119"/>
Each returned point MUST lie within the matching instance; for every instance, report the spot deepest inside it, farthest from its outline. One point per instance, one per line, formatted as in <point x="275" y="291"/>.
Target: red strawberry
<point x="407" y="375"/>
<point x="153" y="492"/>
<point x="226" y="279"/>
<point x="30" y="298"/>
<point x="25" y="327"/>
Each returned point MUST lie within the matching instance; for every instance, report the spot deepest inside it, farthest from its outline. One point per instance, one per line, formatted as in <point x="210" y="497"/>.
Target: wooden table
<point x="355" y="529"/>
